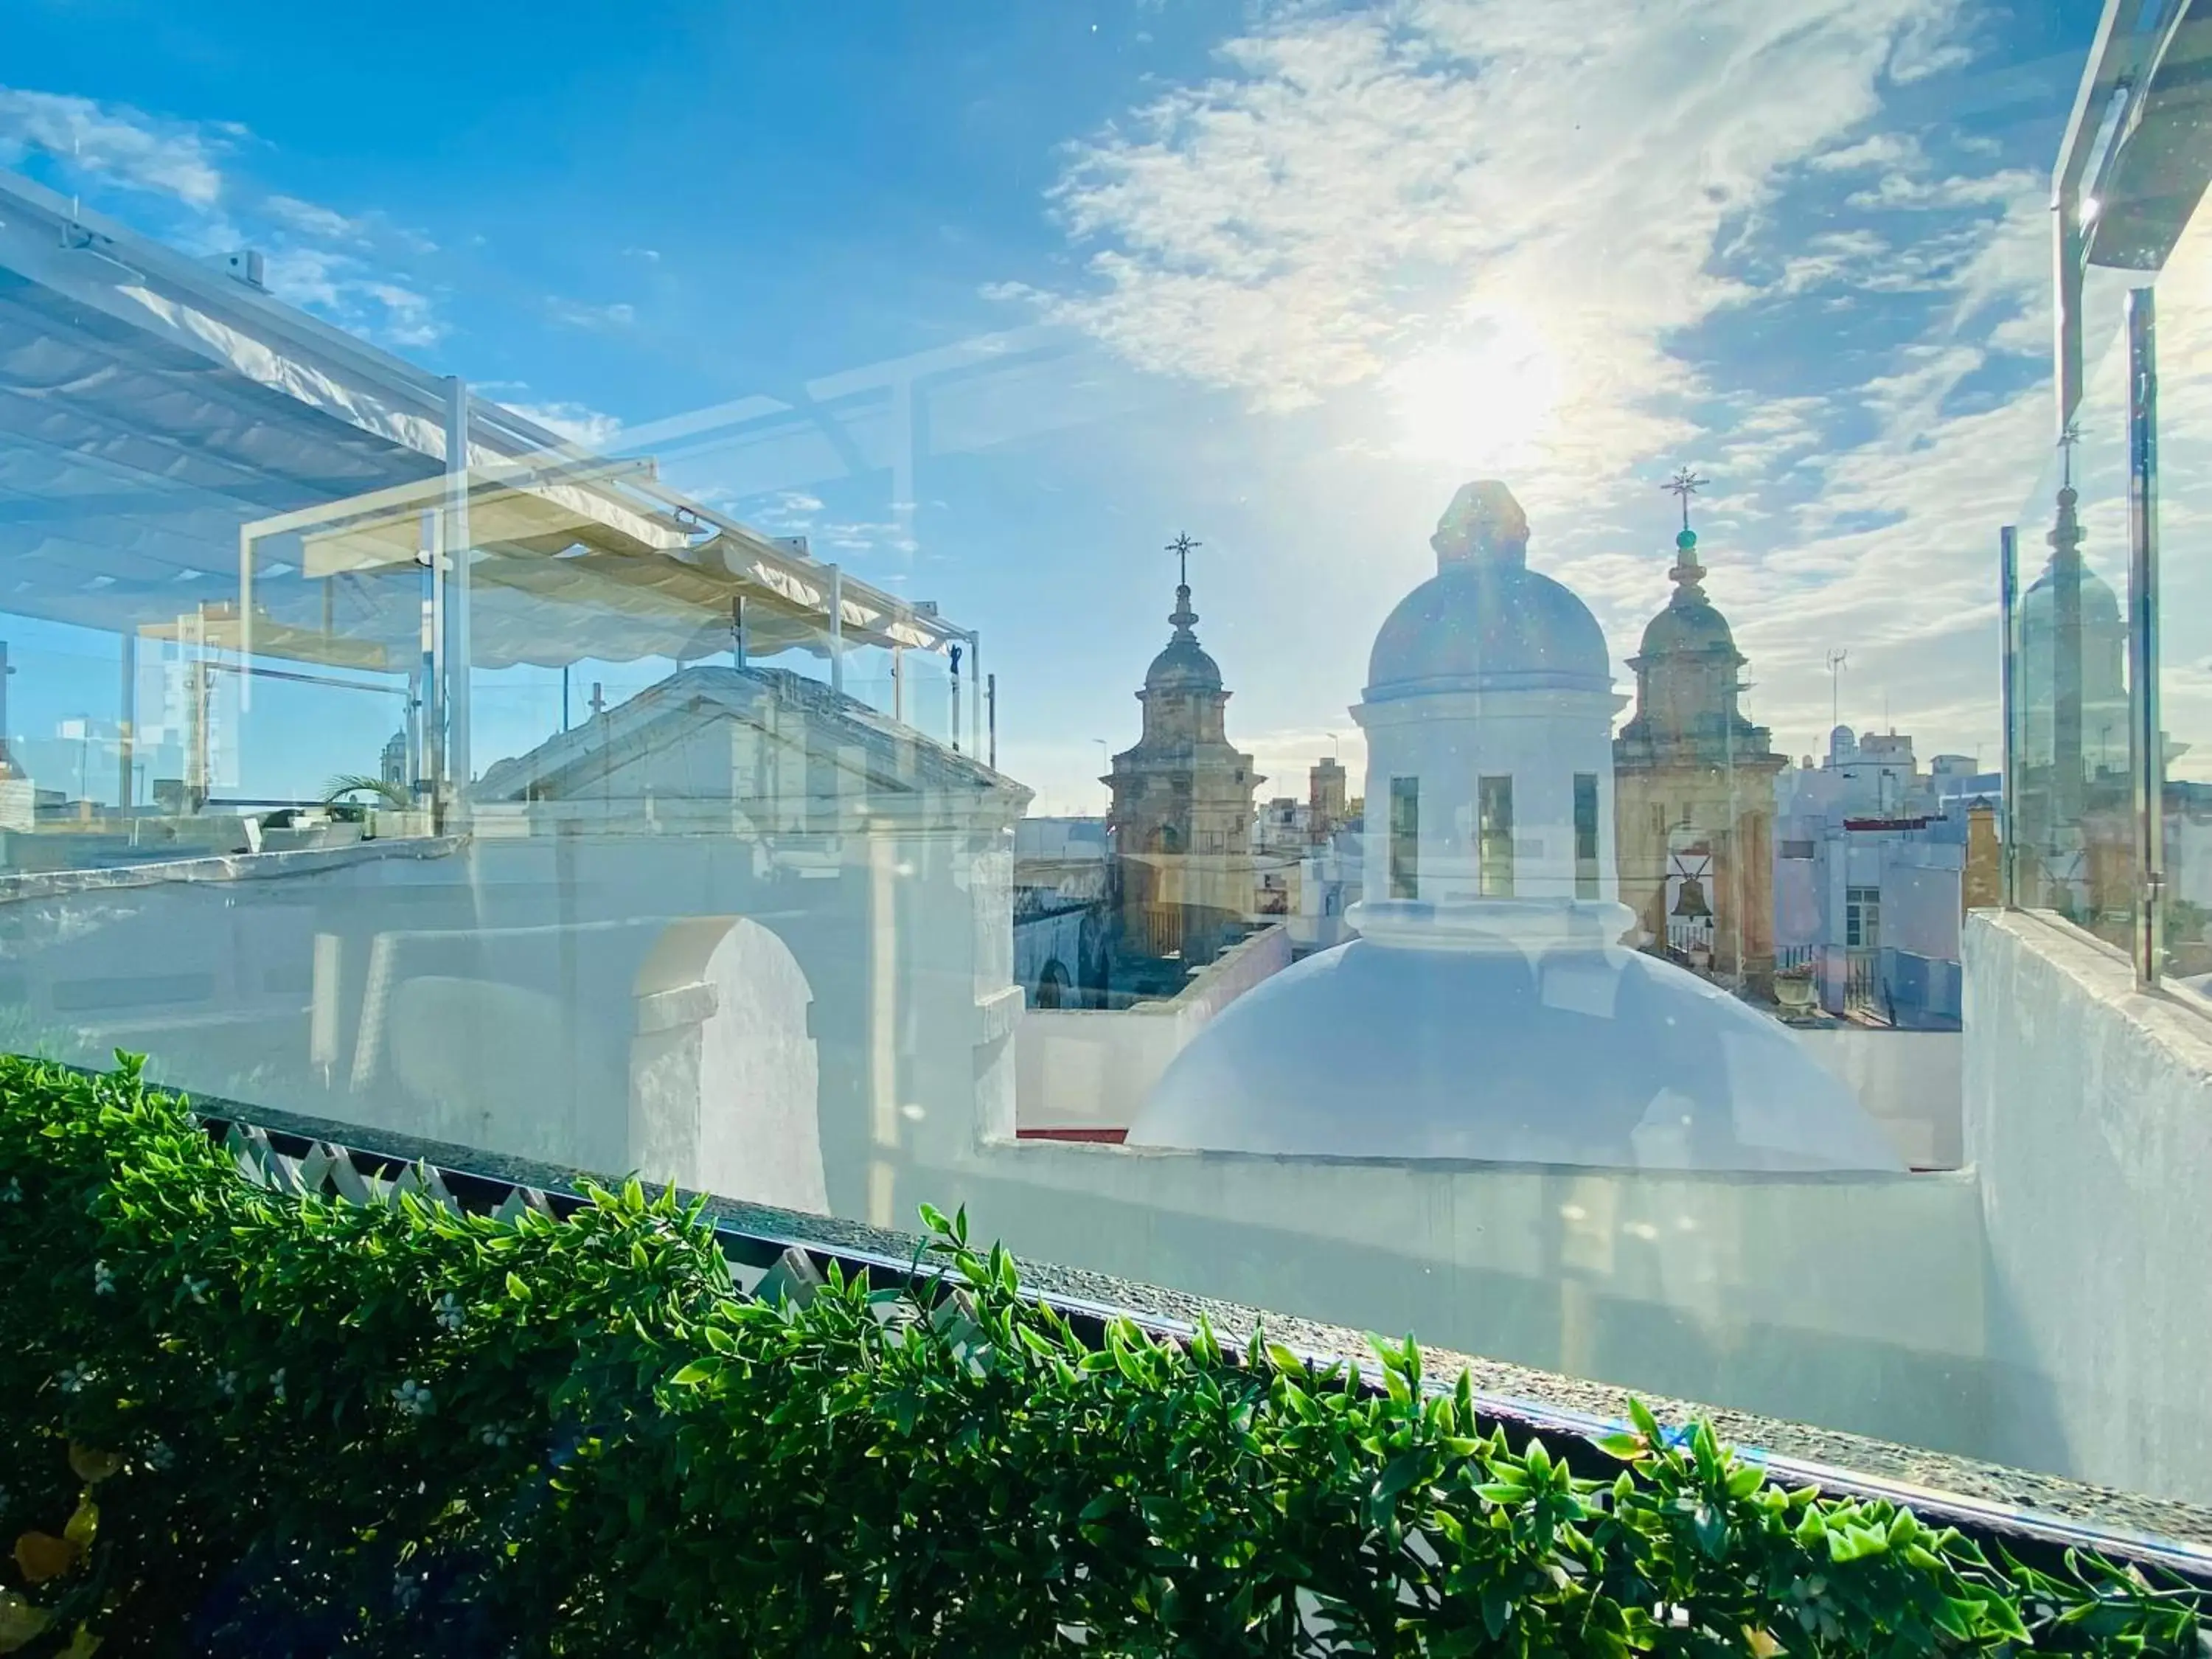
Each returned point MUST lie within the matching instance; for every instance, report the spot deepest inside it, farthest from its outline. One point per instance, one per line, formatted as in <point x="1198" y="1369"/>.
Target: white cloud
<point x="311" y="219"/>
<point x="344" y="288"/>
<point x="338" y="265"/>
<point x="572" y="313"/>
<point x="1354" y="192"/>
<point x="578" y="423"/>
<point x="1881" y="149"/>
<point x="113" y="142"/>
<point x="1899" y="190"/>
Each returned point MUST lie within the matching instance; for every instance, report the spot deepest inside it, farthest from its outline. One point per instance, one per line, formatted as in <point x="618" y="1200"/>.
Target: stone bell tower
<point x="1182" y="813"/>
<point x="1694" y="787"/>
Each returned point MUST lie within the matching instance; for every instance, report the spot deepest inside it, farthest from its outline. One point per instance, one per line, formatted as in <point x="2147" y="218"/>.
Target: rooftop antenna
<point x="2068" y="435"/>
<point x="1836" y="661"/>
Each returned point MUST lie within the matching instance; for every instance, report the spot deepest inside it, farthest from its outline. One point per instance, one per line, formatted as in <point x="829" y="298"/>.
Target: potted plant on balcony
<point x="339" y="793"/>
<point x="1793" y="989"/>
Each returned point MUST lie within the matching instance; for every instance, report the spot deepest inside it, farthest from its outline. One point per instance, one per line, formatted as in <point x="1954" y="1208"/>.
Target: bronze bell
<point x="1690" y="902"/>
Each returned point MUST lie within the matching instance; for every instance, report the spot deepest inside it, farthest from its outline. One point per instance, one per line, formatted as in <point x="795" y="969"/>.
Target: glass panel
<point x="2075" y="813"/>
<point x="685" y="657"/>
<point x="2184" y="619"/>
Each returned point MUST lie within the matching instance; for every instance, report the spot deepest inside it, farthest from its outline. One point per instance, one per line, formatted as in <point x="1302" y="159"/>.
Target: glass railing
<point x="2073" y="815"/>
<point x="2184" y="433"/>
<point x="2110" y="574"/>
<point x="1401" y="723"/>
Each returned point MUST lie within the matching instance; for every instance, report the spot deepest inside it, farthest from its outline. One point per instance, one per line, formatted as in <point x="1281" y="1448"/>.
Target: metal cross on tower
<point x="1180" y="547"/>
<point x="1685" y="483"/>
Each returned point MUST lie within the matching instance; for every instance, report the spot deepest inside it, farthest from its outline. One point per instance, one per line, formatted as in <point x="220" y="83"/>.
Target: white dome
<point x="1488" y="626"/>
<point x="1486" y="622"/>
<point x="1582" y="1053"/>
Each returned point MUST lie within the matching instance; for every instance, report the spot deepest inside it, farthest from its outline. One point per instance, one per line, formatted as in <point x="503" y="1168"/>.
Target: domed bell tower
<point x="1488" y="712"/>
<point x="1694" y="787"/>
<point x="1182" y="814"/>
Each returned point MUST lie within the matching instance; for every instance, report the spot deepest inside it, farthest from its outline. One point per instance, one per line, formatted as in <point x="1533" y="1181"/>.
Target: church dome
<point x="1586" y="1054"/>
<point x="1686" y="628"/>
<point x="2100" y="606"/>
<point x="2039" y="606"/>
<point x="1689" y="625"/>
<point x="1184" y="666"/>
<point x="1486" y="622"/>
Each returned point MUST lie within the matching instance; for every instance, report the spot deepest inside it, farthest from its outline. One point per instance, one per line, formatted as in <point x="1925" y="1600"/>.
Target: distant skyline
<point x="1281" y="276"/>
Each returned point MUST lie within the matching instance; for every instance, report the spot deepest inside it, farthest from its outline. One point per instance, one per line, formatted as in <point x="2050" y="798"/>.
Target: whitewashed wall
<point x="2088" y="1117"/>
<point x="536" y="996"/>
<point x="1776" y="1294"/>
<point x="1091" y="1068"/>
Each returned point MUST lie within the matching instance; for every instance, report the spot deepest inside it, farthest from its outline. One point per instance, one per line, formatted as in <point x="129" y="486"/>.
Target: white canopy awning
<point x="175" y="443"/>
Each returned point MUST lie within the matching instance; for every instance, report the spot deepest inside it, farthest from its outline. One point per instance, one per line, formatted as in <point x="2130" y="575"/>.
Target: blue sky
<point x="1280" y="274"/>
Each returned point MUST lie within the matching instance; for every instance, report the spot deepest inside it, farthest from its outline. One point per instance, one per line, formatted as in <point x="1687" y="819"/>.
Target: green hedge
<point x="233" y="1420"/>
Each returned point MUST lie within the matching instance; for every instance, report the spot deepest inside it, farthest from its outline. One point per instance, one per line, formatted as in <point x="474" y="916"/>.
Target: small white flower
<point x="450" y="1314"/>
<point x="412" y="1398"/>
<point x="495" y="1434"/>
<point x="103" y="1279"/>
<point x="196" y="1288"/>
<point x="13" y="1191"/>
<point x="226" y="1383"/>
<point x="73" y="1378"/>
<point x="160" y="1456"/>
<point x="405" y="1592"/>
<point x="276" y="1384"/>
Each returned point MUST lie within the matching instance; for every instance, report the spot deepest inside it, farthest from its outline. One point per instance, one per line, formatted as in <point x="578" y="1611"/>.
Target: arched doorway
<point x="725" y="1078"/>
<point x="1052" y="986"/>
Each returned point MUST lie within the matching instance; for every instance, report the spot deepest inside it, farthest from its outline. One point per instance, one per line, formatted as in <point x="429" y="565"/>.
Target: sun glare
<point x="1480" y="403"/>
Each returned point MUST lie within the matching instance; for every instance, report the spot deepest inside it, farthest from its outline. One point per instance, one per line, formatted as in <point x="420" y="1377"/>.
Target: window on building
<point x="1586" y="870"/>
<point x="1862" y="917"/>
<point x="1405" y="838"/>
<point x="1796" y="849"/>
<point x="1494" y="838"/>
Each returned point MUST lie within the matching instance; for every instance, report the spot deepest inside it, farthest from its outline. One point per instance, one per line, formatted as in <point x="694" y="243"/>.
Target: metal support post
<point x="975" y="683"/>
<point x="459" y="556"/>
<point x="836" y="630"/>
<point x="126" y="722"/>
<point x="990" y="702"/>
<point x="2008" y="716"/>
<point x="430" y="748"/>
<point x="2146" y="759"/>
